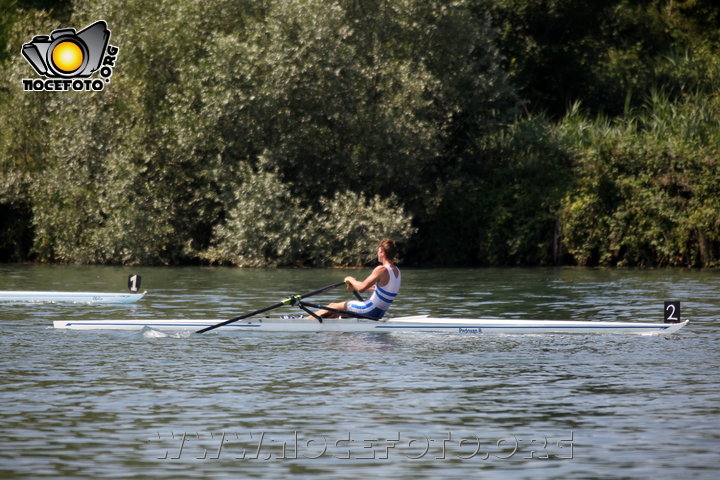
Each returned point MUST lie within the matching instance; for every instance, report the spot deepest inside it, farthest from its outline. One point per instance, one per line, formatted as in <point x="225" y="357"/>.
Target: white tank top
<point x="383" y="296"/>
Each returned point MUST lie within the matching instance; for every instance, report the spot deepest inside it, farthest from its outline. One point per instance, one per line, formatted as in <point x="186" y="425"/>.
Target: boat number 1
<point x="134" y="283"/>
<point x="672" y="312"/>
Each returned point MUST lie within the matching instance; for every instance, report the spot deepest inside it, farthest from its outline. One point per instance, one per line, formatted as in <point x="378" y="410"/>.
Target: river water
<point x="226" y="405"/>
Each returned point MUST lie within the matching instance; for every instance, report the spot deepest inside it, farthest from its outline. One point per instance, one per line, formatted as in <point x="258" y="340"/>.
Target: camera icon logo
<point x="66" y="53"/>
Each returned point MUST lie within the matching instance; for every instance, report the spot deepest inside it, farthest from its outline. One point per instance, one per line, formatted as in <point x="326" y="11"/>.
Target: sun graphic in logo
<point x="67" y="56"/>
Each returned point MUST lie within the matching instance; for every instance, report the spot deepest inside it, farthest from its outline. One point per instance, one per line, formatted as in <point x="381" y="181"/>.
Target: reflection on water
<point x="149" y="404"/>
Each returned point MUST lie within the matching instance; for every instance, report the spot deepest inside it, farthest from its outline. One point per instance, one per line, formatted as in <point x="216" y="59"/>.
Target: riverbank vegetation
<point x="299" y="132"/>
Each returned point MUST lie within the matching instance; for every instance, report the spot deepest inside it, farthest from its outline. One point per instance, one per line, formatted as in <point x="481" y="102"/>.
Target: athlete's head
<point x="389" y="249"/>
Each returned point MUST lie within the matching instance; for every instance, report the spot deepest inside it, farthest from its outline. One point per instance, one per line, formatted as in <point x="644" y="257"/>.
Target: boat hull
<point x="400" y="324"/>
<point x="68" y="297"/>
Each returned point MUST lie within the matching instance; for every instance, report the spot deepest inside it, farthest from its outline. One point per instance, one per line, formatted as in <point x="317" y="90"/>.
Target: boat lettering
<point x="469" y="330"/>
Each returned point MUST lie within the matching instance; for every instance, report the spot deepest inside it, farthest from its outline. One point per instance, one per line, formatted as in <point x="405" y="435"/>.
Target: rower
<point x="383" y="282"/>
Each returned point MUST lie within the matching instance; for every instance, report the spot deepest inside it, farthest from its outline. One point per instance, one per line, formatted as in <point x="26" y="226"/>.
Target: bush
<point x="348" y="227"/>
<point x="267" y="225"/>
<point x="647" y="190"/>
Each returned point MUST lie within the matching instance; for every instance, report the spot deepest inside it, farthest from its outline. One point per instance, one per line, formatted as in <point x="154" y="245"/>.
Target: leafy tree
<point x="291" y="132"/>
<point x="604" y="53"/>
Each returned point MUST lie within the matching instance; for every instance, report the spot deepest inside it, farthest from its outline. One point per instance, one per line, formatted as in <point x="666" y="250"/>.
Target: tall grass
<point x="647" y="188"/>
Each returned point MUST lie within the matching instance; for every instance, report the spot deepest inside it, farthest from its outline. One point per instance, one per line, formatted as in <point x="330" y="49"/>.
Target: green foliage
<point x="502" y="207"/>
<point x="608" y="54"/>
<point x="528" y="184"/>
<point x="345" y="228"/>
<point x="300" y="132"/>
<point x="365" y="93"/>
<point x="267" y="225"/>
<point x="647" y="190"/>
<point x="119" y="176"/>
<point x="7" y="18"/>
<point x="336" y="98"/>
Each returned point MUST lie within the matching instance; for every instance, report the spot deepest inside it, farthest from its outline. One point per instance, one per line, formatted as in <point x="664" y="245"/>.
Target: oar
<point x="288" y="301"/>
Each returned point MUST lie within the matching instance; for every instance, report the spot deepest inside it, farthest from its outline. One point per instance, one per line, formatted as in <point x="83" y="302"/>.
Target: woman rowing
<point x="383" y="282"/>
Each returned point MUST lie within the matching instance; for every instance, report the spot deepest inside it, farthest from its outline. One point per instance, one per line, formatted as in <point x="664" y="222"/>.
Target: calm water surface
<point x="148" y="405"/>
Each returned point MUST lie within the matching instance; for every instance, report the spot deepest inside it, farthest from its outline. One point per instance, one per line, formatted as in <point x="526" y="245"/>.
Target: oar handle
<point x="355" y="292"/>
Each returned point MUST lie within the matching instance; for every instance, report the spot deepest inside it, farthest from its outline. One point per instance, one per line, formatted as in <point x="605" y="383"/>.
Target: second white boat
<point x="68" y="297"/>
<point x="30" y="296"/>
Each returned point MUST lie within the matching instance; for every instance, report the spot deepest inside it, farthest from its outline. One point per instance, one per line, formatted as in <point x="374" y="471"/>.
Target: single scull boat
<point x="354" y="322"/>
<point x="420" y="323"/>
<point x="8" y="296"/>
<point x="68" y="297"/>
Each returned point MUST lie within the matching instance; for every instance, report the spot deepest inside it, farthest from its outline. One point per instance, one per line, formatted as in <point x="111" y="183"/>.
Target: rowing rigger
<point x="419" y="323"/>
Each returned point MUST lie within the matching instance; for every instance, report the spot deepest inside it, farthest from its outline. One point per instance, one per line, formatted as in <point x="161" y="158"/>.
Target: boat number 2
<point x="672" y="312"/>
<point x="134" y="283"/>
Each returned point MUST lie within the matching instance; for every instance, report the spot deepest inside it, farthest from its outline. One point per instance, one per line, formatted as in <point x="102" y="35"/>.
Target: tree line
<point x="299" y="132"/>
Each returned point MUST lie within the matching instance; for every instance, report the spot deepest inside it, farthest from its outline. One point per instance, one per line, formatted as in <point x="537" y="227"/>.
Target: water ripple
<point x="159" y="405"/>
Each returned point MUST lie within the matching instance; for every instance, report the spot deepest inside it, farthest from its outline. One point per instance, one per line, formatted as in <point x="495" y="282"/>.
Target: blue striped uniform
<point x="381" y="299"/>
